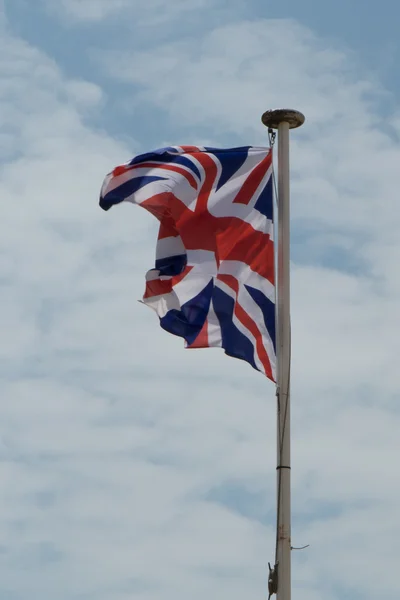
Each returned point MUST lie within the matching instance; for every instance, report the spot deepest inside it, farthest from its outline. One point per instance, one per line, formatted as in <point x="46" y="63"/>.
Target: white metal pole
<point x="283" y="363"/>
<point x="283" y="120"/>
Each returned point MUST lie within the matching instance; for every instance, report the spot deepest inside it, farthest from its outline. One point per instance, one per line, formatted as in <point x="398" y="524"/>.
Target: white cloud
<point x="248" y="65"/>
<point x="125" y="459"/>
<point x="88" y="10"/>
<point x="152" y="11"/>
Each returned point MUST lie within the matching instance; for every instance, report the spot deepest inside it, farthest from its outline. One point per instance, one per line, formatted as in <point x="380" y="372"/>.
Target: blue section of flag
<point x="230" y="164"/>
<point x="125" y="190"/>
<point x="165" y="156"/>
<point x="267" y="308"/>
<point x="171" y="265"/>
<point x="233" y="341"/>
<point x="188" y="322"/>
<point x="264" y="204"/>
<point x="178" y="159"/>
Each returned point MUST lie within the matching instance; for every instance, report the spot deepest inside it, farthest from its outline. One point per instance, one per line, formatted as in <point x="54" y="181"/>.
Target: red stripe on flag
<point x="120" y="170"/>
<point x="210" y="171"/>
<point x="229" y="238"/>
<point x="157" y="205"/>
<point x="230" y="281"/>
<point x="167" y="228"/>
<point x="198" y="229"/>
<point x="165" y="205"/>
<point x="157" y="287"/>
<point x="175" y="168"/>
<point x="202" y="339"/>
<point x="190" y="149"/>
<point x="237" y="240"/>
<point x="178" y="278"/>
<point x="155" y="165"/>
<point x="252" y="182"/>
<point x="252" y="327"/>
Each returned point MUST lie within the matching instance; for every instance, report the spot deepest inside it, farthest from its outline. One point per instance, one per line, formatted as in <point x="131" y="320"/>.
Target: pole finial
<point x="272" y="118"/>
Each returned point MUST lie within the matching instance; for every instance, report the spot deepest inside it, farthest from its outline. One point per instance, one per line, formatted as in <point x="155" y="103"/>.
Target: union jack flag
<point x="213" y="281"/>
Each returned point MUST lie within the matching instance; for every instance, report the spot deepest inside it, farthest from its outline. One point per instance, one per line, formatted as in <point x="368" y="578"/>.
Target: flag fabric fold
<point x="213" y="280"/>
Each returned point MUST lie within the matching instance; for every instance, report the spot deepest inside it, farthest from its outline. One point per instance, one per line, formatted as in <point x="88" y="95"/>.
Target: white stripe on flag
<point x="170" y="246"/>
<point x="213" y="329"/>
<point x="245" y="275"/>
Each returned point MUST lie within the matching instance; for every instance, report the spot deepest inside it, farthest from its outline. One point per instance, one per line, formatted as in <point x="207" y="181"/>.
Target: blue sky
<point x="129" y="467"/>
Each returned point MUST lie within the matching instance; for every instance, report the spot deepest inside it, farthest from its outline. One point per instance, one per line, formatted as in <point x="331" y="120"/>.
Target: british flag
<point x="213" y="281"/>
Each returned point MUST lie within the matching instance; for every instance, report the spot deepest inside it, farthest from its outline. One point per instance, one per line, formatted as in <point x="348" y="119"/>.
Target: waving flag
<point x="213" y="281"/>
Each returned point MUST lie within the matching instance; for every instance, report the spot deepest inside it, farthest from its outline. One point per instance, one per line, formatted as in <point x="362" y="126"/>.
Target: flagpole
<point x="283" y="120"/>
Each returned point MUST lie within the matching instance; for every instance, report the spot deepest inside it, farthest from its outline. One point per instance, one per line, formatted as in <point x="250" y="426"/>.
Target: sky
<point x="131" y="468"/>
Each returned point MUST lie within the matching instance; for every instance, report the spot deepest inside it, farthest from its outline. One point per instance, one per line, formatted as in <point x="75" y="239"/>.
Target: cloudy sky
<point x="131" y="468"/>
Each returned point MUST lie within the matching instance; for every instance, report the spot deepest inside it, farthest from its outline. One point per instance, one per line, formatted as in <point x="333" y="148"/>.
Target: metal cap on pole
<point x="273" y="118"/>
<point x="283" y="120"/>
